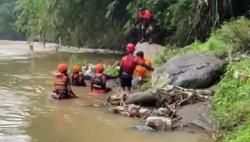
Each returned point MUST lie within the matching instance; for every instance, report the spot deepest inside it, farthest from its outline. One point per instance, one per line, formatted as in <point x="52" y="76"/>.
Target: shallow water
<point x="28" y="114"/>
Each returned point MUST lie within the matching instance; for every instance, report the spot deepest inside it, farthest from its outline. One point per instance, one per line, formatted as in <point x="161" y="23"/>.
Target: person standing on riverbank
<point x="127" y="67"/>
<point x="145" y="19"/>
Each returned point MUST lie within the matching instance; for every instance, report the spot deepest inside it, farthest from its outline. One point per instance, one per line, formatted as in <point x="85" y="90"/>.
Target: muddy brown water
<point x="28" y="114"/>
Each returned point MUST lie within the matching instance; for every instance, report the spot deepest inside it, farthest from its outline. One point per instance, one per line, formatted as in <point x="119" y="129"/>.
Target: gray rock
<point x="144" y="112"/>
<point x="164" y="112"/>
<point x="194" y="70"/>
<point x="143" y="128"/>
<point x="150" y="50"/>
<point x="117" y="109"/>
<point x="159" y="123"/>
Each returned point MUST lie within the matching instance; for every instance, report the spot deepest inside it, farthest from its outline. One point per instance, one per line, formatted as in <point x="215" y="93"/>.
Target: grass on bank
<point x="230" y="105"/>
<point x="233" y="36"/>
<point x="231" y="109"/>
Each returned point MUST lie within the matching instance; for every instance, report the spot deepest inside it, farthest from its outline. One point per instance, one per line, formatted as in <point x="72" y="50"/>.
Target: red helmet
<point x="76" y="69"/>
<point x="99" y="68"/>
<point x="62" y="68"/>
<point x="130" y="47"/>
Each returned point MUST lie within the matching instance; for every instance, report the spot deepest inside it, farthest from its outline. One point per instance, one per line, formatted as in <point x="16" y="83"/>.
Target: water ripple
<point x="14" y="117"/>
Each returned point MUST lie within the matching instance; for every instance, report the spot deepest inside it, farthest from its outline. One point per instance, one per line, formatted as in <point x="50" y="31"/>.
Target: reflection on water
<point x="27" y="112"/>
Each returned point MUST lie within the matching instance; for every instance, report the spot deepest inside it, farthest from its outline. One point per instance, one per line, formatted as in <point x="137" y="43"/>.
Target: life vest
<point x="60" y="82"/>
<point x="141" y="71"/>
<point x="128" y="64"/>
<point x="99" y="81"/>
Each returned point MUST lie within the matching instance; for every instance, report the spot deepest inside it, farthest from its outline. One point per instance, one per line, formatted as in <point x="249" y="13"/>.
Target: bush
<point x="74" y="60"/>
<point x="112" y="71"/>
<point x="231" y="101"/>
<point x="241" y="134"/>
<point x="145" y="86"/>
<point x="233" y="36"/>
<point x="237" y="34"/>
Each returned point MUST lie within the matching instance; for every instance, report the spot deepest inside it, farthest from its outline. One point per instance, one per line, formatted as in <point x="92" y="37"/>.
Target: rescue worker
<point x="98" y="81"/>
<point x="77" y="78"/>
<point x="62" y="83"/>
<point x="145" y="18"/>
<point x="141" y="73"/>
<point x="127" y="66"/>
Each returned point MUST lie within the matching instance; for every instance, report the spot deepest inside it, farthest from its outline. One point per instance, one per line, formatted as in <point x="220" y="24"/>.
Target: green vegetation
<point x="73" y="60"/>
<point x="109" y="70"/>
<point x="112" y="71"/>
<point x="7" y="18"/>
<point x="145" y="86"/>
<point x="231" y="103"/>
<point x="231" y="37"/>
<point x="111" y="23"/>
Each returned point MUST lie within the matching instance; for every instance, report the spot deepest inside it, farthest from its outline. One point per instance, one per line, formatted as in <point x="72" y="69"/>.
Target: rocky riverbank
<point x="180" y="93"/>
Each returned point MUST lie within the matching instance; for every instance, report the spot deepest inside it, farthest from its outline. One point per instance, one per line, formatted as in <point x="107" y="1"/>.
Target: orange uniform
<point x="141" y="71"/>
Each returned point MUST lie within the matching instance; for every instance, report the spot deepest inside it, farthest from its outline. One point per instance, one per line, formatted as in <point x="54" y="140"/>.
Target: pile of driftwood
<point x="157" y="107"/>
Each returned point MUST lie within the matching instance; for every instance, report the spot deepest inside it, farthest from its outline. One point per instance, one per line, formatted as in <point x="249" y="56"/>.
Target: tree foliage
<point x="107" y="23"/>
<point x="7" y="17"/>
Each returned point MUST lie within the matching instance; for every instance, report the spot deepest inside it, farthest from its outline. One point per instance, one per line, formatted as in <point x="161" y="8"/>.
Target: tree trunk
<point x="59" y="43"/>
<point x="44" y="40"/>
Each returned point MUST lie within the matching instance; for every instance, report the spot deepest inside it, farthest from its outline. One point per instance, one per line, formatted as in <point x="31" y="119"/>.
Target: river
<point x="28" y="114"/>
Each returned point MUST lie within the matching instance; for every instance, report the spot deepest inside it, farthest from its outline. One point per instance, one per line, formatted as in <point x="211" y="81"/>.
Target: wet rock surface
<point x="159" y="123"/>
<point x="194" y="70"/>
<point x="150" y="50"/>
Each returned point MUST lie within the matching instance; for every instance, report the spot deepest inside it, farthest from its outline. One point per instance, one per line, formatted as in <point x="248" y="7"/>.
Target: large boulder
<point x="150" y="50"/>
<point x="193" y="70"/>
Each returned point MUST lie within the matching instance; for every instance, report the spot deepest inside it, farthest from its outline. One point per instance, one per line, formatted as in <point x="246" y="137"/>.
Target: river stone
<point x="159" y="123"/>
<point x="150" y="50"/>
<point x="144" y="112"/>
<point x="193" y="70"/>
<point x="143" y="128"/>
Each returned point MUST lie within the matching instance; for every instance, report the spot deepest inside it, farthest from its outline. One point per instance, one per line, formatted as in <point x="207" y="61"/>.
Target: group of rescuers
<point x="132" y="68"/>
